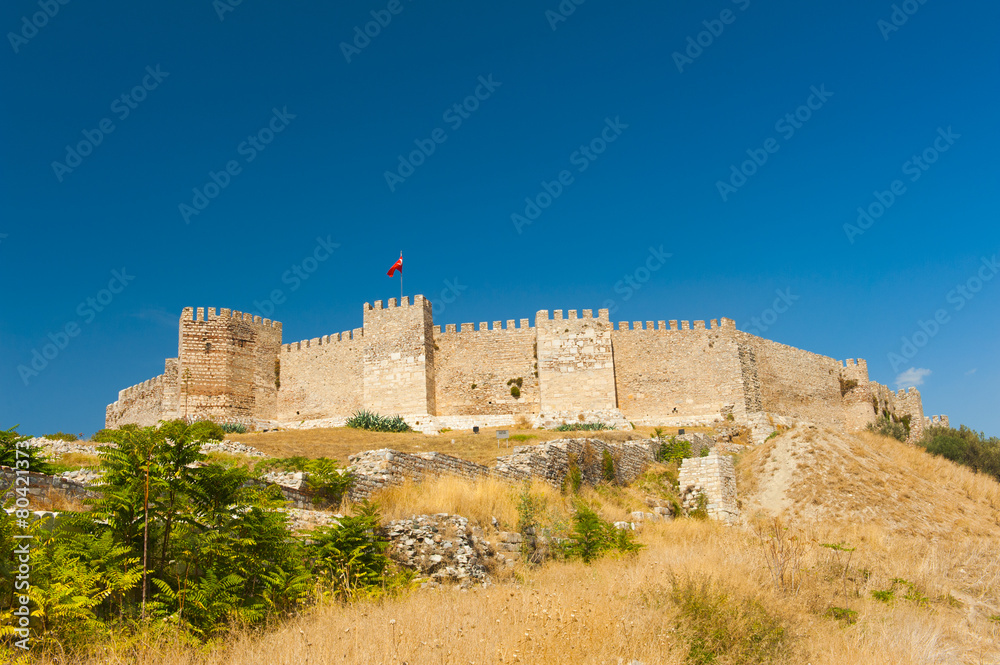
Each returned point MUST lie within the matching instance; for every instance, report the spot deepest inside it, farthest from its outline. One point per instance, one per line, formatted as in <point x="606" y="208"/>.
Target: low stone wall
<point x="377" y="469"/>
<point x="41" y="486"/>
<point x="715" y="477"/>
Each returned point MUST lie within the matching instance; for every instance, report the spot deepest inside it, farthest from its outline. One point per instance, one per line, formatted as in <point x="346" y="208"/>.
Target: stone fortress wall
<point x="233" y="367"/>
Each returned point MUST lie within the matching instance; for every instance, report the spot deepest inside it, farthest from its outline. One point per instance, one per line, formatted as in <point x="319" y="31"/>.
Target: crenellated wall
<point x="321" y="377"/>
<point x="677" y="372"/>
<point x="474" y="369"/>
<point x="232" y="366"/>
<point x="576" y="369"/>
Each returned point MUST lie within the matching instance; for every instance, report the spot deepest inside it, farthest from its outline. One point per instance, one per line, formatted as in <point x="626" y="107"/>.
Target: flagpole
<point x="400" y="280"/>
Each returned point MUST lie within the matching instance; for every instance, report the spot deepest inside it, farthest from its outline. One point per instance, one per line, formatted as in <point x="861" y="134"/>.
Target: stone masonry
<point x="715" y="478"/>
<point x="233" y="366"/>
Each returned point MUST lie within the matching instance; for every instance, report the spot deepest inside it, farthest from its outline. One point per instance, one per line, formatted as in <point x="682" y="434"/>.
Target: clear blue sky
<point x="199" y="89"/>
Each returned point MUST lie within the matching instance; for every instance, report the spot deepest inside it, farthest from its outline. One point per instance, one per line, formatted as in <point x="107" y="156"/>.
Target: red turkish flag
<point x="398" y="265"/>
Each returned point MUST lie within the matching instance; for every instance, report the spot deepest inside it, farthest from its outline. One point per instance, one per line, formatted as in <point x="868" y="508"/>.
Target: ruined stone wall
<point x="575" y="362"/>
<point x="141" y="404"/>
<point x="399" y="357"/>
<point x="377" y="469"/>
<point x="794" y="382"/>
<point x="901" y="403"/>
<point x="322" y="377"/>
<point x="715" y="477"/>
<point x="473" y="369"/>
<point x="41" y="486"/>
<point x="857" y="395"/>
<point x="675" y="373"/>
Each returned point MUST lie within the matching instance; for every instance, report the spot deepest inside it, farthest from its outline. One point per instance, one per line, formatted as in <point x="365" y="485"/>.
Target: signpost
<point x="503" y="434"/>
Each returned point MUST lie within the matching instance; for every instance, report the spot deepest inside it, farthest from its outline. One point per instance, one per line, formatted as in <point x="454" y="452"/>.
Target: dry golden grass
<point x="339" y="442"/>
<point x="931" y="523"/>
<point x="625" y="609"/>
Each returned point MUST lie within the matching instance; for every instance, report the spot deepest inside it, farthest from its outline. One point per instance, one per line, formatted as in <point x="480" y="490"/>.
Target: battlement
<point x="418" y="301"/>
<point x="714" y="324"/>
<point x="133" y="391"/>
<point x="557" y="315"/>
<point x="325" y="340"/>
<point x="509" y="324"/>
<point x="199" y="315"/>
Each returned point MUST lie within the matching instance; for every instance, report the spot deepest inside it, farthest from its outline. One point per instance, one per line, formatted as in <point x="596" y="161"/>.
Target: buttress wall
<point x="399" y="357"/>
<point x="474" y="370"/>
<point x="321" y="377"/>
<point x="575" y="362"/>
<point x="677" y="372"/>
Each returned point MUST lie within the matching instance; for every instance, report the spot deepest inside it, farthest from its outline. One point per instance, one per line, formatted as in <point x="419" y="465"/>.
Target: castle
<point x="233" y="367"/>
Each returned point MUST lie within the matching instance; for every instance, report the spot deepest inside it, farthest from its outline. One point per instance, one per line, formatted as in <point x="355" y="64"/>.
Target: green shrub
<point x="721" y="628"/>
<point x="964" y="446"/>
<point x="515" y="392"/>
<point x="113" y="435"/>
<point x="885" y="596"/>
<point x="233" y="428"/>
<point x="673" y="450"/>
<point x="583" y="427"/>
<point x="574" y="477"/>
<point x="60" y="436"/>
<point x="593" y="537"/>
<point x="373" y="422"/>
<point x="206" y="430"/>
<point x="608" y="467"/>
<point x="844" y="614"/>
<point x="886" y="426"/>
<point x="700" y="511"/>
<point x="351" y="555"/>
<point x="17" y="456"/>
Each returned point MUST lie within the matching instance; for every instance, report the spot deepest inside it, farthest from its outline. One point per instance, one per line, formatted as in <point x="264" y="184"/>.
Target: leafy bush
<point x="351" y="555"/>
<point x="673" y="450"/>
<point x="515" y="392"/>
<point x="964" y="446"/>
<point x="112" y="435"/>
<point x="608" y="467"/>
<point x="234" y="428"/>
<point x="593" y="537"/>
<point x="373" y="422"/>
<point x="583" y="427"/>
<point x="60" y="436"/>
<point x="886" y="426"/>
<point x="719" y="627"/>
<point x="328" y="481"/>
<point x="206" y="430"/>
<point x="22" y="457"/>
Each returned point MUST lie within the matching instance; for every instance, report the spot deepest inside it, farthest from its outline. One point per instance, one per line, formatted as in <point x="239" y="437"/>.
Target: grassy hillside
<point x="858" y="550"/>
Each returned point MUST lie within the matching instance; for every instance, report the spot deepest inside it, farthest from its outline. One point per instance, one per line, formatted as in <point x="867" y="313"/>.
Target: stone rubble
<point x="444" y="548"/>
